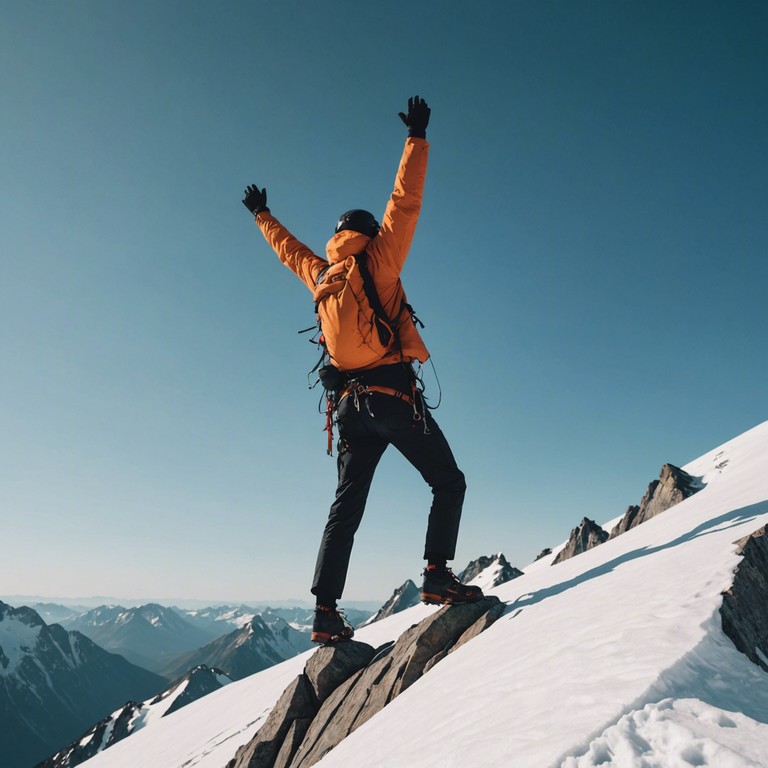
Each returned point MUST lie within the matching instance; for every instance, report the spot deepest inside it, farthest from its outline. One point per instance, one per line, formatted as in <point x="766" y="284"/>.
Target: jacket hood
<point x="344" y="244"/>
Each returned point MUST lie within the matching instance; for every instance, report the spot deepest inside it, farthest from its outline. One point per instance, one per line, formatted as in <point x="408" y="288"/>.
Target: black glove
<point x="417" y="118"/>
<point x="255" y="200"/>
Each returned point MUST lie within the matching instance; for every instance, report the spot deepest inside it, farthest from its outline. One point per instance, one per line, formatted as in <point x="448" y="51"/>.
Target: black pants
<point x="364" y="436"/>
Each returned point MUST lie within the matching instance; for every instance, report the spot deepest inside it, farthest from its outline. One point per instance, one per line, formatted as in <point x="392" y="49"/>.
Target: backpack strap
<point x="384" y="326"/>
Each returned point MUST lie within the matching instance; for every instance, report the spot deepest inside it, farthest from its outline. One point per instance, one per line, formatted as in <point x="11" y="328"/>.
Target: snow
<point x="613" y="658"/>
<point x="149" y="714"/>
<point x="17" y="641"/>
<point x="488" y="575"/>
<point x="679" y="732"/>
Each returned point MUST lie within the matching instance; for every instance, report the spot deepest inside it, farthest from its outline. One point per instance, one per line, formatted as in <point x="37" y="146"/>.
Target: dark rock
<point x="587" y="535"/>
<point x="485" y="621"/>
<point x="393" y="671"/>
<point x="292" y="741"/>
<point x="405" y="596"/>
<point x="543" y="553"/>
<point x="504" y="571"/>
<point x="345" y="685"/>
<point x="330" y="666"/>
<point x="336" y="719"/>
<point x="744" y="611"/>
<point x="297" y="702"/>
<point x="673" y="485"/>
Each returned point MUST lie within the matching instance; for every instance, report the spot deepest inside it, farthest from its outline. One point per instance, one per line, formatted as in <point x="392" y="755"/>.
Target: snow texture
<point x="17" y="641"/>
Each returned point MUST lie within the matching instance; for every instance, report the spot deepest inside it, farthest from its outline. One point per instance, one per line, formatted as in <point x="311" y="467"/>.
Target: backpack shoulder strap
<point x="384" y="325"/>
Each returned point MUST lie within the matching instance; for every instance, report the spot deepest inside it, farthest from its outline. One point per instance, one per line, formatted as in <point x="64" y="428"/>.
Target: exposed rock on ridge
<point x="744" y="611"/>
<point x="405" y="596"/>
<point x="345" y="685"/>
<point x="501" y="572"/>
<point x="586" y="535"/>
<point x="673" y="485"/>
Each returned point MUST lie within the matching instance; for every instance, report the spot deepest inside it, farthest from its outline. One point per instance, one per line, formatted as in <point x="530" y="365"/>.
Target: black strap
<point x="383" y="323"/>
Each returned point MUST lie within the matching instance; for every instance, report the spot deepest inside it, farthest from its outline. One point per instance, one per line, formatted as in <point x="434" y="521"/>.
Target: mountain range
<point x="54" y="683"/>
<point x="255" y="646"/>
<point x="133" y="716"/>
<point x="149" y="635"/>
<point x="57" y="684"/>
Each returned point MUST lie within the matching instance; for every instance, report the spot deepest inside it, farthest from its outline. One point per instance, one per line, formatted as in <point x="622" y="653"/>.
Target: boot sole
<point x="323" y="638"/>
<point x="430" y="599"/>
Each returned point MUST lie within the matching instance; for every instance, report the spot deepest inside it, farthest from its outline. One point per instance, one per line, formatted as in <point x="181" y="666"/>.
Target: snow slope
<point x="613" y="658"/>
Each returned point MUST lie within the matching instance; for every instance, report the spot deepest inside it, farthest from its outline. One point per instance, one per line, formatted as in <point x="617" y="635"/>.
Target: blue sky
<point x="590" y="264"/>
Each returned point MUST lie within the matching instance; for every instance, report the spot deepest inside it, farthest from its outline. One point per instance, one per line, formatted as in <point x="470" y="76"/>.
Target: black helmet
<point x="358" y="221"/>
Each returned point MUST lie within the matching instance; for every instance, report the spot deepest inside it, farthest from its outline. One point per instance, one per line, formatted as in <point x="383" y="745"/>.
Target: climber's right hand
<point x="255" y="199"/>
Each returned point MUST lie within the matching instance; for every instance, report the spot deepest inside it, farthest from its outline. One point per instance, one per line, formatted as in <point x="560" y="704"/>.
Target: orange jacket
<point x="386" y="252"/>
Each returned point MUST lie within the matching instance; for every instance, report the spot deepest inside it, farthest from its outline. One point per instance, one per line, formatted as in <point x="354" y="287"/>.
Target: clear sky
<point x="590" y="263"/>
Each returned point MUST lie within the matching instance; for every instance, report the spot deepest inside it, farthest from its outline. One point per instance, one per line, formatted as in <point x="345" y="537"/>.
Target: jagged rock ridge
<point x="586" y="535"/>
<point x="492" y="571"/>
<point x="343" y="686"/>
<point x="405" y="596"/>
<point x="674" y="485"/>
<point x="744" y="611"/>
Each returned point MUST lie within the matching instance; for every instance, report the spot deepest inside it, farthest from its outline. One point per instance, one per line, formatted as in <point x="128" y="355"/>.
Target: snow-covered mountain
<point x="148" y="635"/>
<point x="253" y="647"/>
<point x="489" y="572"/>
<point x="301" y="618"/>
<point x="616" y="657"/>
<point x="222" y="619"/>
<point x="54" y="613"/>
<point x="405" y="596"/>
<point x="135" y="715"/>
<point x="54" y="684"/>
<point x="218" y="620"/>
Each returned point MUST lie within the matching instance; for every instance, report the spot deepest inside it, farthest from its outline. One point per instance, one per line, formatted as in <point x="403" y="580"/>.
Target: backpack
<point x="356" y="332"/>
<point x="354" y="329"/>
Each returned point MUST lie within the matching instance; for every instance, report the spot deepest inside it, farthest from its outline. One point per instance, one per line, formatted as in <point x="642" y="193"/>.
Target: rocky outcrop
<point x="405" y="596"/>
<point x="586" y="535"/>
<point x="673" y="485"/>
<point x="744" y="611"/>
<point x="493" y="571"/>
<point x="544" y="552"/>
<point x="343" y="686"/>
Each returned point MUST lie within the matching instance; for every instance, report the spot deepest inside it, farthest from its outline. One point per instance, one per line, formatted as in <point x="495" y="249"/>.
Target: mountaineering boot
<point x="441" y="587"/>
<point x="330" y="627"/>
